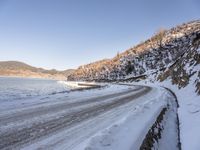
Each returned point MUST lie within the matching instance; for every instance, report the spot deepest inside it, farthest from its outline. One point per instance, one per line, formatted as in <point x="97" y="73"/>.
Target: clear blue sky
<point x="64" y="34"/>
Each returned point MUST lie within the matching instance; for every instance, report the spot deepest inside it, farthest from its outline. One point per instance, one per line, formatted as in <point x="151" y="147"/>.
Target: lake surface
<point x="24" y="88"/>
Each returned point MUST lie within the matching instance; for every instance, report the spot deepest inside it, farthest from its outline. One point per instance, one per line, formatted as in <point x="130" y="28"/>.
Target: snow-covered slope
<point x="155" y="54"/>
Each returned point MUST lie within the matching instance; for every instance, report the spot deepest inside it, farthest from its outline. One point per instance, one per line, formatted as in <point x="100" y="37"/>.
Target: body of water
<point x="22" y="88"/>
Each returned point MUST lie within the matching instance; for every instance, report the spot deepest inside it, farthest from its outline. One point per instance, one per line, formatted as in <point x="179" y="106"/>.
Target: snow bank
<point x="168" y="128"/>
<point x="189" y="115"/>
<point x="188" y="111"/>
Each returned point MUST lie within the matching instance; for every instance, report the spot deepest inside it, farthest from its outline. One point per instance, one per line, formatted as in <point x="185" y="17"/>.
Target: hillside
<point x="20" y="69"/>
<point x="158" y="55"/>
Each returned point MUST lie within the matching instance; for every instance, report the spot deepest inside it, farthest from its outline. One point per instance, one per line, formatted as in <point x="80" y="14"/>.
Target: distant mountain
<point x="20" y="69"/>
<point x="170" y="54"/>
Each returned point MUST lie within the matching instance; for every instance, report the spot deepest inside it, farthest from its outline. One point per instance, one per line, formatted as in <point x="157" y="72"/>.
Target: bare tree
<point x="159" y="36"/>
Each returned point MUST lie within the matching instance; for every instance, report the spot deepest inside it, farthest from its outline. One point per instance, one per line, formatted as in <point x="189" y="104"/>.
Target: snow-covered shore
<point x="81" y="85"/>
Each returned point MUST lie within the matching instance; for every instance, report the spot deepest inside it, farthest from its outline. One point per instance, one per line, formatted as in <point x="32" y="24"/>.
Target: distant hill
<point x="20" y="69"/>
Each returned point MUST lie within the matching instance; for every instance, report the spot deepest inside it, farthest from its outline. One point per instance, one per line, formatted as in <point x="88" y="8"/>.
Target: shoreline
<point x="22" y="77"/>
<point x="72" y="85"/>
<point x="82" y="85"/>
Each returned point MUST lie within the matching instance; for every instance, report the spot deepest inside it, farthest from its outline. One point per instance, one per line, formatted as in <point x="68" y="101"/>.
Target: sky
<point x="65" y="34"/>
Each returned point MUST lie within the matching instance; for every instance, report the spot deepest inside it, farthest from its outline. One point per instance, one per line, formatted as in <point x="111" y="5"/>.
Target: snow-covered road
<point x="74" y="120"/>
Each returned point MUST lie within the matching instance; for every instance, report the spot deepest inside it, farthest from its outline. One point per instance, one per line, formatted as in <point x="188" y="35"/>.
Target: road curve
<point x="25" y="127"/>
